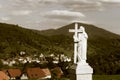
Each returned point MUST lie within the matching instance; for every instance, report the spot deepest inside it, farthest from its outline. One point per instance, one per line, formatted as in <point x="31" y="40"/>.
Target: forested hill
<point x="14" y="39"/>
<point x="92" y="31"/>
<point x="103" y="47"/>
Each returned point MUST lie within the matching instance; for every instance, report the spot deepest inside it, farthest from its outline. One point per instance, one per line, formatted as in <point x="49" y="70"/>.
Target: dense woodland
<point x="103" y="46"/>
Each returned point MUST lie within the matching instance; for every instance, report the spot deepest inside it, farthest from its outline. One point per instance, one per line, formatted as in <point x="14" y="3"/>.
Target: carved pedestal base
<point x="84" y="72"/>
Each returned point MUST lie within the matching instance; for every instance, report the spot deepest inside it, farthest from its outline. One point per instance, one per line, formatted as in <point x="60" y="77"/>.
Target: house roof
<point x="35" y="73"/>
<point x="14" y="72"/>
<point x="46" y="71"/>
<point x="4" y="70"/>
<point x="3" y="76"/>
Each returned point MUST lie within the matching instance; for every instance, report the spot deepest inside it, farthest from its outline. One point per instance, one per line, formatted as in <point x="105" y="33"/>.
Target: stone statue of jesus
<point x="81" y="38"/>
<point x="83" y="70"/>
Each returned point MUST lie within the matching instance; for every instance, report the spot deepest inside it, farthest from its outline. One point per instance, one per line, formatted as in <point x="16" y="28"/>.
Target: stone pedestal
<point x="83" y="72"/>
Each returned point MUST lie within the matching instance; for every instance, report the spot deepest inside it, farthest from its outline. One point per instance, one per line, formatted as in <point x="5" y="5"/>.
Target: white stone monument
<point x="83" y="70"/>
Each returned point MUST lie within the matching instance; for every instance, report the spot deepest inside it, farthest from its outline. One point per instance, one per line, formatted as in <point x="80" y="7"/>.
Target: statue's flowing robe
<point x="82" y="46"/>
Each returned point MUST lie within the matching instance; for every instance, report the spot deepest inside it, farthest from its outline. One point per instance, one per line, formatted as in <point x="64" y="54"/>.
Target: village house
<point x="47" y="73"/>
<point x="30" y="73"/>
<point x="42" y="57"/>
<point x="24" y="76"/>
<point x="3" y="76"/>
<point x="37" y="73"/>
<point x="14" y="73"/>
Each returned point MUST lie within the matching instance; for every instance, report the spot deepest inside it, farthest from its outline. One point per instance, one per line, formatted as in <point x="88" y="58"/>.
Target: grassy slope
<point x="106" y="77"/>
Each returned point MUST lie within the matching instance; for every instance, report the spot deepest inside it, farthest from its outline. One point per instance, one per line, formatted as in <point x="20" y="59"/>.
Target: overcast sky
<point x="46" y="14"/>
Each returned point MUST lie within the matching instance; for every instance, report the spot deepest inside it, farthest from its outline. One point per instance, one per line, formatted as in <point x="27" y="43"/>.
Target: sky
<point x="47" y="14"/>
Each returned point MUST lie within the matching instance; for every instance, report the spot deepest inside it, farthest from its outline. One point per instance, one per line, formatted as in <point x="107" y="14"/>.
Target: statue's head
<point x="82" y="28"/>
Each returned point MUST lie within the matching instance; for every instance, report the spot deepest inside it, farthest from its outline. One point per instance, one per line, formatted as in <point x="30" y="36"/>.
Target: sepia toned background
<point x="46" y="14"/>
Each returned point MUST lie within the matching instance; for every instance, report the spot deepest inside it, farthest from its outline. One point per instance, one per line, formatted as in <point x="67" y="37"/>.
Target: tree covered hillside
<point x="103" y="47"/>
<point x="14" y="39"/>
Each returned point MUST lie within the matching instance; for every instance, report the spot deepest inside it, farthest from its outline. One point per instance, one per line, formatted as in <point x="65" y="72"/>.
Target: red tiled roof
<point x="14" y="72"/>
<point x="35" y="73"/>
<point x="46" y="71"/>
<point x="3" y="76"/>
<point x="5" y="70"/>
